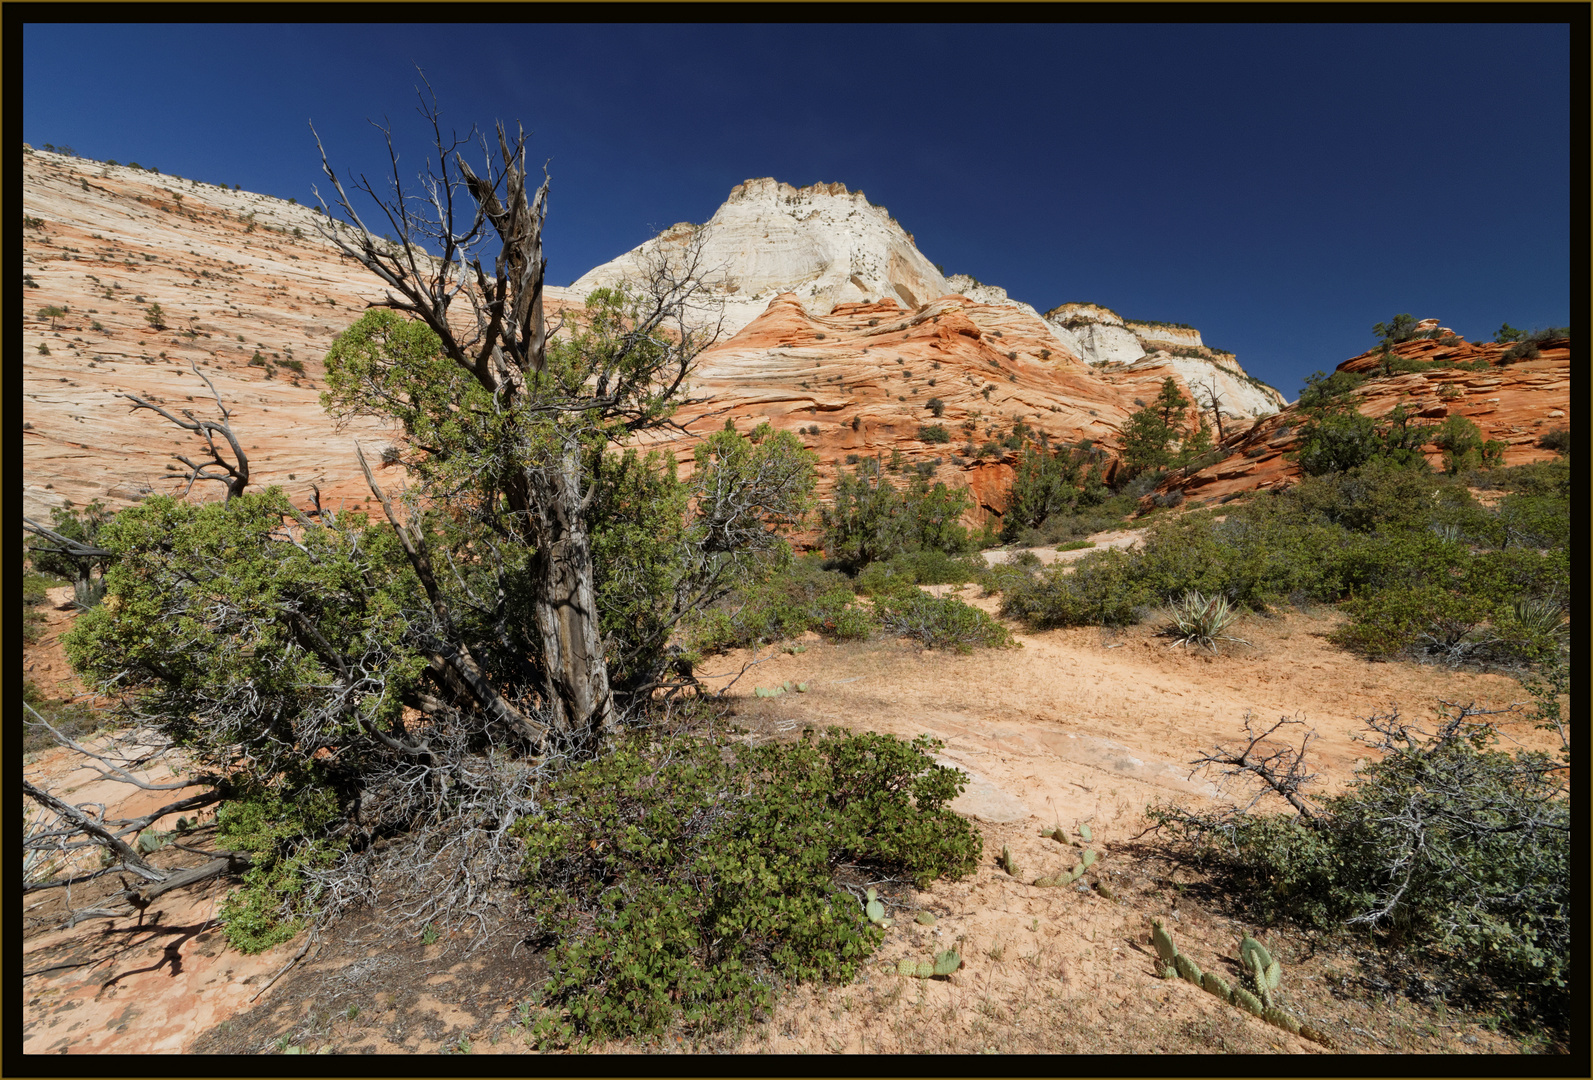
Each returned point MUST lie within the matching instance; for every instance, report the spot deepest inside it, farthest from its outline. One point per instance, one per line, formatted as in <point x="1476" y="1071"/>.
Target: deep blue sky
<point x="1281" y="188"/>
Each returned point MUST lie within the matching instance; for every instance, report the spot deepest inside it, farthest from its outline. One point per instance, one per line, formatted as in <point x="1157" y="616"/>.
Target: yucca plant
<point x="1201" y="620"/>
<point x="1544" y="615"/>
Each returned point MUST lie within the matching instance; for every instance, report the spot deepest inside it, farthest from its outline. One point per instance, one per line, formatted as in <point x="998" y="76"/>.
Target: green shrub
<point x="1049" y="483"/>
<point x="1557" y="439"/>
<point x="282" y="827"/>
<point x="1374" y="495"/>
<point x="1100" y="591"/>
<point x="678" y="875"/>
<point x="1326" y="391"/>
<point x="1464" y="447"/>
<point x="1080" y="520"/>
<point x="75" y="720"/>
<point x="933" y="433"/>
<point x="943" y="622"/>
<point x="1420" y="619"/>
<point x="1451" y="848"/>
<point x="803" y="597"/>
<point x="871" y="519"/>
<point x="917" y="568"/>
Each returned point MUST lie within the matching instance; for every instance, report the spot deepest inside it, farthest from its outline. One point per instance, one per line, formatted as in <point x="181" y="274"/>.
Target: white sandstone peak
<point x="824" y="243"/>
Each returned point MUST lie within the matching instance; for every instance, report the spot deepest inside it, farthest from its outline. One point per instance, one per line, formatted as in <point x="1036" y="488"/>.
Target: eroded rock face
<point x="827" y="245"/>
<point x="1163" y="334"/>
<point x="238" y="276"/>
<point x="1514" y="403"/>
<point x="869" y="376"/>
<point x="840" y="319"/>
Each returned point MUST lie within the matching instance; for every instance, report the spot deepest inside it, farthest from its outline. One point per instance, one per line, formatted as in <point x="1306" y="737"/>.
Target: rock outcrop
<point x="1099" y="333"/>
<point x="936" y="388"/>
<point x="1513" y="401"/>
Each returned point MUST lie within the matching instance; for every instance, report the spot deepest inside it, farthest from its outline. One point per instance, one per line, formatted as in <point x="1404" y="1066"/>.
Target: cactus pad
<point x="1280" y="1019"/>
<point x="871" y="893"/>
<point x="1188" y="969"/>
<point x="1164" y="942"/>
<point x="1254" y="955"/>
<point x="1105" y="890"/>
<point x="1084" y="833"/>
<point x="1316" y="1035"/>
<point x="1273" y="973"/>
<point x="1247" y="1001"/>
<point x="875" y="911"/>
<point x="1088" y="858"/>
<point x="924" y="970"/>
<point x="1216" y="985"/>
<point x="947" y="962"/>
<point x="907" y="967"/>
<point x="925" y="918"/>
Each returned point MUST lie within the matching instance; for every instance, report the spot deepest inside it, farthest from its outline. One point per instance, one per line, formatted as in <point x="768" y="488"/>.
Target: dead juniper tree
<point x="233" y="474"/>
<point x="467" y="263"/>
<point x="1210" y="398"/>
<point x="378" y="700"/>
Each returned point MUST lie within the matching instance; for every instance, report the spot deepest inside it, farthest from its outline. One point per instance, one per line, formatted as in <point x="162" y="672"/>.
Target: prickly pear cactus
<point x="1047" y="882"/>
<point x="1217" y="986"/>
<point x="1273" y="973"/>
<point x="875" y="911"/>
<point x="1247" y="1001"/>
<point x="1316" y="1035"/>
<point x="1088" y="858"/>
<point x="947" y="962"/>
<point x="1166" y="971"/>
<point x="924" y="970"/>
<point x="907" y="967"/>
<point x="1280" y="1019"/>
<point x="1085" y="834"/>
<point x="925" y="918"/>
<point x="1187" y="968"/>
<point x="1008" y="863"/>
<point x="1163" y="942"/>
<point x="1253" y="954"/>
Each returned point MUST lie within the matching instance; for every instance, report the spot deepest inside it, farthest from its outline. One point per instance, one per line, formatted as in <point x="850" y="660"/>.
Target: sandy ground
<point x="1070" y="726"/>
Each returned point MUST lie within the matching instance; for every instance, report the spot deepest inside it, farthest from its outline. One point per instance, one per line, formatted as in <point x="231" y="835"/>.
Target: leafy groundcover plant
<point x="689" y="875"/>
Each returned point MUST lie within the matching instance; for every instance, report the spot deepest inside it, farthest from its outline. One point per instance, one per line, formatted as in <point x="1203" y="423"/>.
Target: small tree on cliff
<point x="1147" y="434"/>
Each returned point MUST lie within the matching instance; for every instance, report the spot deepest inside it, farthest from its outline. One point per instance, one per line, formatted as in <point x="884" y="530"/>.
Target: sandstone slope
<point x="1513" y="402"/>
<point x="832" y="316"/>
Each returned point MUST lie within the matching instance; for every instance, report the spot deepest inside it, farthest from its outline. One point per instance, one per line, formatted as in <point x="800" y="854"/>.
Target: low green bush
<point x="803" y="597"/>
<point x="685" y="876"/>
<point x="1100" y="591"/>
<point x="75" y="720"/>
<point x="1079" y="521"/>
<point x="1425" y="619"/>
<point x="943" y="622"/>
<point x="918" y="568"/>
<point x="282" y="827"/>
<point x="1557" y="439"/>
